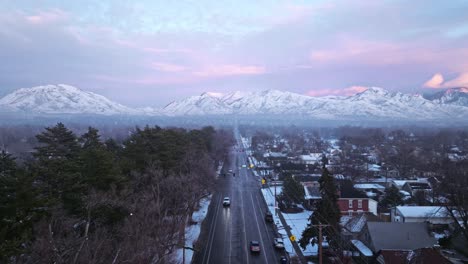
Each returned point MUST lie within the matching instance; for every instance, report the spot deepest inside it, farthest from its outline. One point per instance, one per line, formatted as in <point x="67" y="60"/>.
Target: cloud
<point x="352" y="90"/>
<point x="437" y="82"/>
<point x="47" y="17"/>
<point x="230" y="70"/>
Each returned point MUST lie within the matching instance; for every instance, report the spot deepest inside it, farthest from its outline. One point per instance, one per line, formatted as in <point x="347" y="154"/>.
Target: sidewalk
<point x="281" y="225"/>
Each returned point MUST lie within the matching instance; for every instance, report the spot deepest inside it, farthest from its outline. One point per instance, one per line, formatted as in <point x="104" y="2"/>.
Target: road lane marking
<point x="212" y="229"/>
<point x="258" y="226"/>
<point x="266" y="228"/>
<point x="243" y="231"/>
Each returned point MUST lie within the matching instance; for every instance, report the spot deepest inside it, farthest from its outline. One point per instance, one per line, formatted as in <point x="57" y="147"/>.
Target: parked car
<point x="268" y="217"/>
<point x="254" y="246"/>
<point x="278" y="243"/>
<point x="226" y="201"/>
<point x="283" y="260"/>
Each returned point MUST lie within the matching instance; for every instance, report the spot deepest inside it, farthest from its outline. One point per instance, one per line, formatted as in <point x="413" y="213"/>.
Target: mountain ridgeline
<point x="374" y="104"/>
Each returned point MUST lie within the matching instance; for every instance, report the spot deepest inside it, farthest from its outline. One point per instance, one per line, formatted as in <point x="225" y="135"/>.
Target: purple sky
<point x="152" y="52"/>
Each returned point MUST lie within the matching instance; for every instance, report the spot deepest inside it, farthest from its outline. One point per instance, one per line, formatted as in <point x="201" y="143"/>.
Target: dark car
<point x="254" y="246"/>
<point x="268" y="217"/>
<point x="283" y="260"/>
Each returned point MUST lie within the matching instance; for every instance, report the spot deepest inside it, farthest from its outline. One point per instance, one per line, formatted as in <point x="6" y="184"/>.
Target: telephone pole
<point x="320" y="226"/>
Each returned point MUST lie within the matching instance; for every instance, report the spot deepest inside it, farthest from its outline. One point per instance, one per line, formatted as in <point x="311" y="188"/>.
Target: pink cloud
<point x="47" y="17"/>
<point x="437" y="82"/>
<point x="343" y="92"/>
<point x="230" y="70"/>
<point x="350" y="49"/>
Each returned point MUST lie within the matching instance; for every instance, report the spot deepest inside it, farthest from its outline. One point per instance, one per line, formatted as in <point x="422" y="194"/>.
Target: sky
<point x="150" y="52"/>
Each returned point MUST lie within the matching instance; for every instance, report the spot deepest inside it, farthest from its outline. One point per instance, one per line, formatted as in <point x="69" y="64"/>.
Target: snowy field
<point x="193" y="231"/>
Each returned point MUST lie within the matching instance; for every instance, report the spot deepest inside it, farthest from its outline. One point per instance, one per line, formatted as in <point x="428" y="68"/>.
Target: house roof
<point x="312" y="192"/>
<point x="422" y="211"/>
<point x="418" y="256"/>
<point x="401" y="236"/>
<point x="356" y="223"/>
<point x="362" y="248"/>
<point x="419" y="185"/>
<point x="426" y="256"/>
<point x="369" y="186"/>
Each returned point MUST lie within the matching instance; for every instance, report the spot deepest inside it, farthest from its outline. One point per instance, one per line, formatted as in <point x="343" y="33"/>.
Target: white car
<point x="278" y="243"/>
<point x="226" y="201"/>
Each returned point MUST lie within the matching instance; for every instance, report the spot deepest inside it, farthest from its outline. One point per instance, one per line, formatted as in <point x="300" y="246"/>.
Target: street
<point x="229" y="229"/>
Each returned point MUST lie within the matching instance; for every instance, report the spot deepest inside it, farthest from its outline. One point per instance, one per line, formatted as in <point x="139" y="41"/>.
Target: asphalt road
<point x="229" y="230"/>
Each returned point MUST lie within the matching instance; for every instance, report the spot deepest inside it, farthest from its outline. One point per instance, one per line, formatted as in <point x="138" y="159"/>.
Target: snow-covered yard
<point x="193" y="231"/>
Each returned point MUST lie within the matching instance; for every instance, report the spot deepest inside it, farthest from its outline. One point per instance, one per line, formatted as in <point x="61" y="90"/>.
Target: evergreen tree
<point x="293" y="190"/>
<point x="57" y="167"/>
<point x="17" y="207"/>
<point x="98" y="168"/>
<point x="327" y="212"/>
<point x="392" y="197"/>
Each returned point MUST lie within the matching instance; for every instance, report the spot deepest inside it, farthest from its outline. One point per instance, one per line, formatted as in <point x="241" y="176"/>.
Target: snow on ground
<point x="193" y="231"/>
<point x="268" y="194"/>
<point x="218" y="170"/>
<point x="297" y="223"/>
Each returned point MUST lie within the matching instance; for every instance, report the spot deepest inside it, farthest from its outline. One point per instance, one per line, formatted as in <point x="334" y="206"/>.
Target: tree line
<point x="84" y="200"/>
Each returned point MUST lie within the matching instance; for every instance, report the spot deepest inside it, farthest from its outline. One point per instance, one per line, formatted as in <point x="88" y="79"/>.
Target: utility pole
<point x="276" y="209"/>
<point x="320" y="226"/>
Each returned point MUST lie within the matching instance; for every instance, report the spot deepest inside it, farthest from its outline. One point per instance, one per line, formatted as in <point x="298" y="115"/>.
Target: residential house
<point x="352" y="227"/>
<point x="436" y="215"/>
<point x="414" y="187"/>
<point x="312" y="158"/>
<point x="353" y="206"/>
<point x="311" y="188"/>
<point x="418" y="256"/>
<point x="397" y="236"/>
<point x="372" y="190"/>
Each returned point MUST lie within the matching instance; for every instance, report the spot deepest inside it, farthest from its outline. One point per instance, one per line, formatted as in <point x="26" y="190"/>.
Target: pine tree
<point x="18" y="207"/>
<point x="327" y="212"/>
<point x="57" y="167"/>
<point x="97" y="163"/>
<point x="293" y="190"/>
<point x="392" y="197"/>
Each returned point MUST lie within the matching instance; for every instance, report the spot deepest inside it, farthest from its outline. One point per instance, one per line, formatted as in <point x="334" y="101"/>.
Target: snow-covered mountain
<point x="61" y="99"/>
<point x="374" y="104"/>
<point x="455" y="96"/>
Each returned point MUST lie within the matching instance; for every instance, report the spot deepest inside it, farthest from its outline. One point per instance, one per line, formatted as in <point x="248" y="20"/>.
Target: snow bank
<point x="193" y="231"/>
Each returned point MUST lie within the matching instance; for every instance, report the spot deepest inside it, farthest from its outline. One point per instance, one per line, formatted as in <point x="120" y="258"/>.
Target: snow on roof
<point x="312" y="192"/>
<point x="311" y="157"/>
<point x="374" y="167"/>
<point x="399" y="183"/>
<point x="405" y="193"/>
<point x="422" y="211"/>
<point x="362" y="248"/>
<point x="369" y="186"/>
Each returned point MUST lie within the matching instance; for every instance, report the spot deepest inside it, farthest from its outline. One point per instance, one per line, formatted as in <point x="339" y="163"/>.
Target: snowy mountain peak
<point x="60" y="99"/>
<point x="375" y="91"/>
<point x="457" y="90"/>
